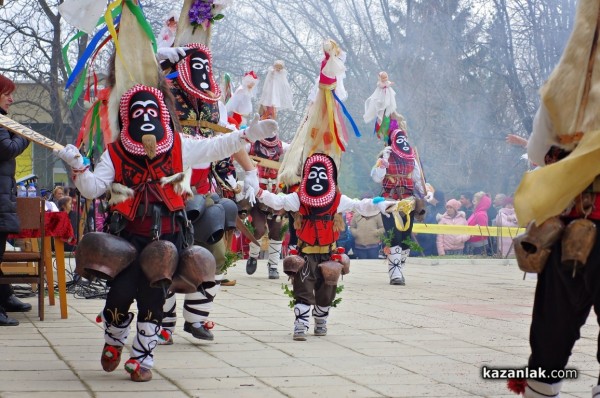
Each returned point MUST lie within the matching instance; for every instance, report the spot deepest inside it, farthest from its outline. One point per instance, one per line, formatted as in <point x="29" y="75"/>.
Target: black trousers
<point x="309" y="285"/>
<point x="562" y="305"/>
<point x="398" y="236"/>
<point x="131" y="284"/>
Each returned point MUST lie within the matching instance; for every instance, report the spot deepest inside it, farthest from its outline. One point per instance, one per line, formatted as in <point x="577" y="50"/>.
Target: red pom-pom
<point x="132" y="365"/>
<point x="164" y="334"/>
<point x="336" y="257"/>
<point x="209" y="325"/>
<point x="98" y="318"/>
<point x="517" y="385"/>
<point x="294" y="252"/>
<point x="341" y="250"/>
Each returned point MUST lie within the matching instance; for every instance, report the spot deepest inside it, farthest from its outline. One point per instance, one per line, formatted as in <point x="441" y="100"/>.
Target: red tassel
<point x="294" y="252"/>
<point x="341" y="250"/>
<point x="517" y="385"/>
<point x="209" y="325"/>
<point x="98" y="318"/>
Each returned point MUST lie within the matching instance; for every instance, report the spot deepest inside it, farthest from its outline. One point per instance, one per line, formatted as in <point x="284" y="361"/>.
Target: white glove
<point x="70" y="154"/>
<point x="386" y="153"/>
<point x="378" y="174"/>
<point x="260" y="129"/>
<point x="251" y="179"/>
<point x="429" y="196"/>
<point x="385" y="205"/>
<point x="250" y="194"/>
<point x="173" y="54"/>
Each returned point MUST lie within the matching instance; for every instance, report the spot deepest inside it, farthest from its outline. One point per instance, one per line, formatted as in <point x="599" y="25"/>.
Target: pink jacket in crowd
<point x="452" y="242"/>
<point x="480" y="217"/>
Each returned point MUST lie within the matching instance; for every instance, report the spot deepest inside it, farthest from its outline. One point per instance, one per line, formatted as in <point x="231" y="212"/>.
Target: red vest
<point x="141" y="177"/>
<point x="398" y="182"/>
<point x="318" y="231"/>
<point x="200" y="180"/>
<point x="271" y="152"/>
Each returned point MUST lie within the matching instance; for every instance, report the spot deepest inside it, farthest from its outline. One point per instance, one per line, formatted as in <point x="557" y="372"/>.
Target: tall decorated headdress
<point x="135" y="107"/>
<point x="381" y="105"/>
<point x="322" y="129"/>
<point x="571" y="97"/>
<point x="276" y="92"/>
<point x="196" y="20"/>
<point x="241" y="100"/>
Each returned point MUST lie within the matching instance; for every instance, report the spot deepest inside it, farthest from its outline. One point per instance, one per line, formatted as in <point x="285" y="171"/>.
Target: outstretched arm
<point x="289" y="202"/>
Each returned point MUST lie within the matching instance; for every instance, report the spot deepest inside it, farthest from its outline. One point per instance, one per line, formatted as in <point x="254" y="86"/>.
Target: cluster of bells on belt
<point x="339" y="264"/>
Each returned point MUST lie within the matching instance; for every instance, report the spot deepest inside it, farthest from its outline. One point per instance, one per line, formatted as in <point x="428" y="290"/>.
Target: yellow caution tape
<point x="467" y="230"/>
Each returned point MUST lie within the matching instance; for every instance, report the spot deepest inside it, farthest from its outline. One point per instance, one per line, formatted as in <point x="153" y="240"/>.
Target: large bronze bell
<point x="577" y="243"/>
<point x="292" y="264"/>
<point x="345" y="261"/>
<point x="533" y="247"/>
<point x="197" y="266"/>
<point x="331" y="271"/>
<point x="103" y="256"/>
<point x="159" y="262"/>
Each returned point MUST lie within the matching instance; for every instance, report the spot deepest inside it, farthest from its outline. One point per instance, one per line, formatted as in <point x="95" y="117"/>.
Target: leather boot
<point x="13" y="304"/>
<point x="5" y="320"/>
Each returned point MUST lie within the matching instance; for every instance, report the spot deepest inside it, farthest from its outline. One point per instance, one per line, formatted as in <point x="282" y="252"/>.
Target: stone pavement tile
<point x="181" y="373"/>
<point x="394" y="379"/>
<point x="347" y="390"/>
<point x="17" y="364"/>
<point x="46" y="394"/>
<point x="41" y="385"/>
<point x="248" y="348"/>
<point x="366" y="366"/>
<point x="393" y="351"/>
<point x="119" y="380"/>
<point x="30" y="357"/>
<point x="303" y="381"/>
<point x="26" y="375"/>
<point x="143" y="394"/>
<point x="256" y="361"/>
<point x="241" y="392"/>
<point x="215" y="383"/>
<point x="200" y="361"/>
<point x="280" y="371"/>
<point x="420" y="390"/>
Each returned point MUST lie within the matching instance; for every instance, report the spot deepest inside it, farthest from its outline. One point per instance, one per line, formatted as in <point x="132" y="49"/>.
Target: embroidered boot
<point x="301" y="311"/>
<point x="320" y="315"/>
<point x="115" y="337"/>
<point x="537" y="389"/>
<point x="169" y="318"/>
<point x="140" y="363"/>
<point x="274" y="257"/>
<point x="395" y="265"/>
<point x="252" y="259"/>
<point x="196" y="309"/>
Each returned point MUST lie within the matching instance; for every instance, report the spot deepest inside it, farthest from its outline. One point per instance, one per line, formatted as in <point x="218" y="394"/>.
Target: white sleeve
<point x="365" y="206"/>
<point x="420" y="190"/>
<point x="378" y="173"/>
<point x="285" y="146"/>
<point x="211" y="149"/>
<point x="91" y="185"/>
<point x="541" y="138"/>
<point x="289" y="202"/>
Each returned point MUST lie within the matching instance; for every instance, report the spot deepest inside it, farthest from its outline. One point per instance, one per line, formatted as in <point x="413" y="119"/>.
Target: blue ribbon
<point x="172" y="75"/>
<point x="89" y="50"/>
<point x="347" y="114"/>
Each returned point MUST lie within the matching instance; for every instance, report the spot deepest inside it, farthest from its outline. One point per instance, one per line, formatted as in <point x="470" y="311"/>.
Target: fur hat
<point x="455" y="204"/>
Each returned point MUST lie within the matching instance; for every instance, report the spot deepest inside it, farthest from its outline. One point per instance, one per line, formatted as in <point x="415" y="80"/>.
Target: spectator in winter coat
<point x="367" y="233"/>
<point x="478" y="244"/>
<point x="452" y="244"/>
<point x="506" y="218"/>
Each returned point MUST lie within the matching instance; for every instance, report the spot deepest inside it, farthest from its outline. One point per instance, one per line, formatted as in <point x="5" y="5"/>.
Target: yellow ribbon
<point x="475" y="230"/>
<point x="404" y="206"/>
<point x="548" y="191"/>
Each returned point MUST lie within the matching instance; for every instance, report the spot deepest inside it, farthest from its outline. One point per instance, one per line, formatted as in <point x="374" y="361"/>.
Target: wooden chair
<point x="31" y="214"/>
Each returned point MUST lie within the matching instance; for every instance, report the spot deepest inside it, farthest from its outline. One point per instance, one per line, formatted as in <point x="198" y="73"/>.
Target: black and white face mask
<point x="143" y="112"/>
<point x="196" y="74"/>
<point x="400" y="145"/>
<point x="317" y="181"/>
<point x="318" y="186"/>
<point x="144" y="116"/>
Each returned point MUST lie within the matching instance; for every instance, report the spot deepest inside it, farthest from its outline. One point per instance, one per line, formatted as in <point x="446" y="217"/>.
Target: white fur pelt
<point x="181" y="185"/>
<point x="119" y="193"/>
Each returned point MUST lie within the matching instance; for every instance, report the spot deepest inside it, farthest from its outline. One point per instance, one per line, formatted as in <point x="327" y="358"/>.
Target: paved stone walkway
<point x="429" y="338"/>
